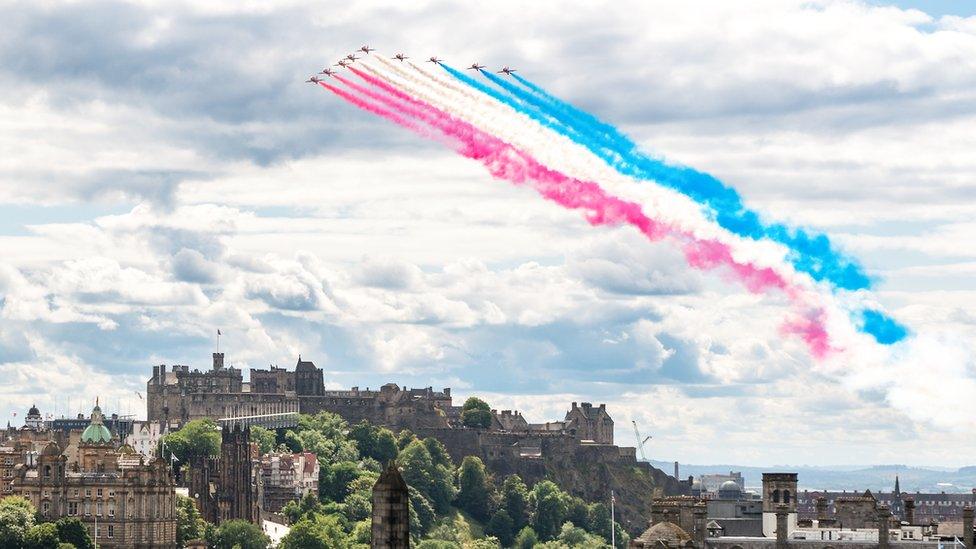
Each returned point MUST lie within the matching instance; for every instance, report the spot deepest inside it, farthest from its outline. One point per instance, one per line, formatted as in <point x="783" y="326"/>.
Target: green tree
<point x="189" y="523"/>
<point x="474" y="494"/>
<point x="550" y="509"/>
<point x="71" y="530"/>
<point x="42" y="536"/>
<point x="377" y="443"/>
<point x="335" y="479"/>
<point x="424" y="509"/>
<point x="438" y="544"/>
<point x="598" y="520"/>
<point x="476" y="413"/>
<point x="264" y="437"/>
<point x="291" y="442"/>
<point x="435" y="482"/>
<point x="526" y="539"/>
<point x="199" y="437"/>
<point x="515" y="500"/>
<point x="16" y="519"/>
<point x="240" y="534"/>
<point x="404" y="438"/>
<point x="320" y="532"/>
<point x="502" y="527"/>
<point x="438" y="452"/>
<point x="578" y="538"/>
<point x="296" y="510"/>
<point x="577" y="512"/>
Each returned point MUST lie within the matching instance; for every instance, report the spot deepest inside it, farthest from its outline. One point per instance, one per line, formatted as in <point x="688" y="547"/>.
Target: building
<point x="34" y="420"/>
<point x="391" y="513"/>
<point x="286" y="477"/>
<point x="145" y="437"/>
<point x="227" y="487"/>
<point x="914" y="508"/>
<point x="589" y="423"/>
<point x="132" y="499"/>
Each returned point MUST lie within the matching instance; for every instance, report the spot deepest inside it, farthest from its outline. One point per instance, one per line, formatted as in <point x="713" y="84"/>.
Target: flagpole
<point x="613" y="529"/>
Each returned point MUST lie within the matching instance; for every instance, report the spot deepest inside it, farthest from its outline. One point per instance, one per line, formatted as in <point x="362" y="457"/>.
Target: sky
<point x="165" y="172"/>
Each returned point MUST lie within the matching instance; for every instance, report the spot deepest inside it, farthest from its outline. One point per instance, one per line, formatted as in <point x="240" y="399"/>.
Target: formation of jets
<point x="351" y="58"/>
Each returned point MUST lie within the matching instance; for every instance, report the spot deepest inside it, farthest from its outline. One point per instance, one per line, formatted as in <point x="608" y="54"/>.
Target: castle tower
<point x="779" y="489"/>
<point x="391" y="514"/>
<point x="308" y="379"/>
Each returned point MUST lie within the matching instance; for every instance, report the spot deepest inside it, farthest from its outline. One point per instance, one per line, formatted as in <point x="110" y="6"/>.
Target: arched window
<point x="775" y="496"/>
<point x="786" y="496"/>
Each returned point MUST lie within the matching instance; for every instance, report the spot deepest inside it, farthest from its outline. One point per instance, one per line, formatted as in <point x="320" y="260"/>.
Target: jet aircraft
<point x="366" y="49"/>
<point x="435" y="60"/>
<point x="314" y="80"/>
<point x="351" y="57"/>
<point x="475" y="67"/>
<point x="507" y="70"/>
<point x="400" y="57"/>
<point x="327" y="71"/>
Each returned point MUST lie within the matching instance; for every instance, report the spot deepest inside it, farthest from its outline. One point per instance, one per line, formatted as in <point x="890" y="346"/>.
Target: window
<point x="99" y="492"/>
<point x="775" y="496"/>
<point x="47" y="471"/>
<point x="111" y="531"/>
<point x="87" y="492"/>
<point x="111" y="509"/>
<point x="98" y="509"/>
<point x="87" y="508"/>
<point x="72" y="508"/>
<point x="786" y="496"/>
<point x="45" y="507"/>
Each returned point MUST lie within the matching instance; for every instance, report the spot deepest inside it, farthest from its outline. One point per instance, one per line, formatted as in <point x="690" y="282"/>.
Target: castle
<point x="578" y="451"/>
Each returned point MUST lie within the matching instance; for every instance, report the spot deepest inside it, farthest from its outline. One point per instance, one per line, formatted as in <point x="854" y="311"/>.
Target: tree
<point x="42" y="536"/>
<point x="550" y="509"/>
<point x="438" y="452"/>
<point x="578" y="538"/>
<point x="189" y="523"/>
<point x="16" y="519"/>
<point x="318" y="532"/>
<point x="335" y="478"/>
<point x="424" y="509"/>
<point x="577" y="512"/>
<point x="296" y="510"/>
<point x="240" y="534"/>
<point x="264" y="437"/>
<point x="374" y="442"/>
<point x="71" y="530"/>
<point x="474" y="492"/>
<point x="438" y="544"/>
<point x="435" y="482"/>
<point x="476" y="413"/>
<point x="502" y="527"/>
<point x="598" y="520"/>
<point x="526" y="539"/>
<point x="199" y="437"/>
<point x="515" y="500"/>
<point x="404" y="438"/>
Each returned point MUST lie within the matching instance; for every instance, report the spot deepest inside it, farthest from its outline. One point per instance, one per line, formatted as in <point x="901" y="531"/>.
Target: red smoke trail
<point x="506" y="162"/>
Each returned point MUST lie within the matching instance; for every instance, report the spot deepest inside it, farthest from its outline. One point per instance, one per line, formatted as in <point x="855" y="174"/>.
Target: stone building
<point x="129" y="497"/>
<point x="589" y="423"/>
<point x="391" y="513"/>
<point x="226" y="487"/>
<point x="286" y="477"/>
<point x="914" y="508"/>
<point x="778" y="489"/>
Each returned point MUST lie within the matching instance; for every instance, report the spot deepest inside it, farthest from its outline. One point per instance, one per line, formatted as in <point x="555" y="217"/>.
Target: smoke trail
<point x="812" y="253"/>
<point x="505" y="162"/>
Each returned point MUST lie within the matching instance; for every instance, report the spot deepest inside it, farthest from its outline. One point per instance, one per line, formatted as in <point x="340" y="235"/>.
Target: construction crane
<point x="640" y="441"/>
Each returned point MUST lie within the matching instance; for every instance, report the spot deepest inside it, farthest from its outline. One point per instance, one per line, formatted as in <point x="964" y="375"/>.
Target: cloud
<point x="240" y="198"/>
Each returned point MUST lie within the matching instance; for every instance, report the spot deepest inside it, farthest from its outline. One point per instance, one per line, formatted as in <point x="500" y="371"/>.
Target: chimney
<point x="884" y="522"/>
<point x="782" y="513"/>
<point x="910" y="511"/>
<point x="700" y="512"/>
<point x="967" y="526"/>
<point x="676" y="477"/>
<point x="218" y="361"/>
<point x="821" y="508"/>
<point x="574" y="406"/>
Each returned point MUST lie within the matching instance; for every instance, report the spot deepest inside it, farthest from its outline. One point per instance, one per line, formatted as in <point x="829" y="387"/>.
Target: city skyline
<point x="170" y="175"/>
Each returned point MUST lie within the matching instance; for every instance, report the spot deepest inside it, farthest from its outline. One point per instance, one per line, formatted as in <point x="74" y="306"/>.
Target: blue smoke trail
<point x="810" y="253"/>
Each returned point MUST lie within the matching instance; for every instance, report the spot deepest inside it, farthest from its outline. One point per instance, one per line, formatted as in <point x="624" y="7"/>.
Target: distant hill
<point x="847" y="477"/>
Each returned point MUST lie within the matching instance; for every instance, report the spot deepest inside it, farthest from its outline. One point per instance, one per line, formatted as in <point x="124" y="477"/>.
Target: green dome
<point x="96" y="432"/>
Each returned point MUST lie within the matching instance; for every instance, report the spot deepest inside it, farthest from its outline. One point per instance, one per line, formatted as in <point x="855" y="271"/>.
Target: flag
<point x="218" y="332"/>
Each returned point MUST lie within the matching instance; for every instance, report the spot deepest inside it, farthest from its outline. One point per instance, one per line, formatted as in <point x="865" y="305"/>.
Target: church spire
<point x="897" y="487"/>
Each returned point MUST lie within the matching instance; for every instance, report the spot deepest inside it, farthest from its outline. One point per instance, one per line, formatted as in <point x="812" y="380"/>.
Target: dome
<point x="96" y="433"/>
<point x="729" y="486"/>
<point x="666" y="532"/>
<point x="33" y="412"/>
